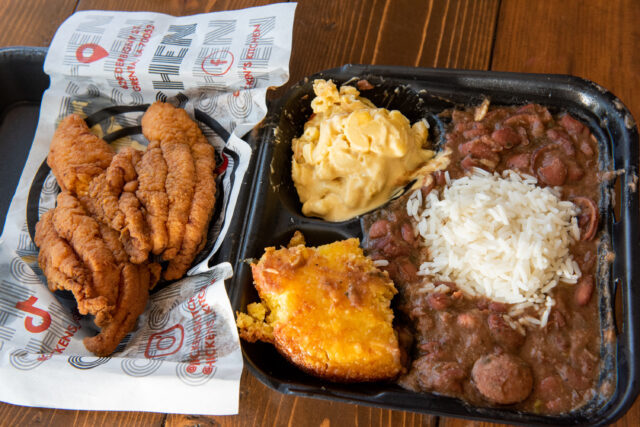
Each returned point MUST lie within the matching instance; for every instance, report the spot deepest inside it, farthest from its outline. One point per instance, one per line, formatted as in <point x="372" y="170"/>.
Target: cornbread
<point x="327" y="310"/>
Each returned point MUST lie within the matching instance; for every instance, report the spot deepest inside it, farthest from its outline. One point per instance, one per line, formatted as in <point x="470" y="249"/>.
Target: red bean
<point x="562" y="140"/>
<point x="574" y="172"/>
<point x="407" y="271"/>
<point x="505" y="138"/>
<point x="479" y="150"/>
<point x="468" y="163"/>
<point x="519" y="161"/>
<point x="407" y="233"/>
<point x="439" y="301"/>
<point x="570" y="124"/>
<point x="379" y="228"/>
<point x="584" y="290"/>
<point x="364" y="85"/>
<point x="531" y="121"/>
<point x="553" y="173"/>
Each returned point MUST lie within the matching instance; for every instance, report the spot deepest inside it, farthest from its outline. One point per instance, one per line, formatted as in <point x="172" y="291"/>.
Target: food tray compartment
<point x="274" y="213"/>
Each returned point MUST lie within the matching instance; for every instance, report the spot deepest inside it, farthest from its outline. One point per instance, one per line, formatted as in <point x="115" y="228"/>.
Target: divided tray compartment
<point x="273" y="213"/>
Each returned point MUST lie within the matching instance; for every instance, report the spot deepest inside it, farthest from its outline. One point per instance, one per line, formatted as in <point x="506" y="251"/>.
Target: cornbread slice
<point x="327" y="310"/>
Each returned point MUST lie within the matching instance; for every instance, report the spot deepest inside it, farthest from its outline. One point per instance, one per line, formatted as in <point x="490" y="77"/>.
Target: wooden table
<point x="596" y="39"/>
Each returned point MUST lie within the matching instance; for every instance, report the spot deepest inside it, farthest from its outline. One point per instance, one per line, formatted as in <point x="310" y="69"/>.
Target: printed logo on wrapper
<point x="140" y="367"/>
<point x="44" y="317"/>
<point x="24" y="361"/>
<point x="218" y="63"/>
<point x="90" y="52"/>
<point x="165" y="343"/>
<point x="192" y="376"/>
<point x="83" y="363"/>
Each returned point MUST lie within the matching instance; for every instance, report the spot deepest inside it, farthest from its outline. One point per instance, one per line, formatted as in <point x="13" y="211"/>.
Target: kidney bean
<point x="407" y="233"/>
<point x="479" y="150"/>
<point x="498" y="307"/>
<point x="531" y="121"/>
<point x="562" y="140"/>
<point x="439" y="301"/>
<point x="380" y="228"/>
<point x="505" y="138"/>
<point x="426" y="189"/>
<point x="519" y="161"/>
<point x="572" y="125"/>
<point x="584" y="290"/>
<point x="407" y="271"/>
<point x="553" y="173"/>
<point x="468" y="163"/>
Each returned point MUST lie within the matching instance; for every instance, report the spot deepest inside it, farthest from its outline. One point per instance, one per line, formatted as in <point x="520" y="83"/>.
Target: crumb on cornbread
<point x="326" y="309"/>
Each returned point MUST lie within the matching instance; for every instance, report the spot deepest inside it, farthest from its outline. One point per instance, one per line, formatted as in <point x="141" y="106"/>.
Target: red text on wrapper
<point x="125" y="68"/>
<point x="165" y="343"/>
<point x="203" y="348"/>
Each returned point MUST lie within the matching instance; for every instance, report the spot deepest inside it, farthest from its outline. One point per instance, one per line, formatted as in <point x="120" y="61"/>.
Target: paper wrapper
<point x="184" y="356"/>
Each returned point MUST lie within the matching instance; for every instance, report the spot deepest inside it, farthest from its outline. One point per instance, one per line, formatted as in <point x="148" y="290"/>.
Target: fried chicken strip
<point x="74" y="257"/>
<point x="174" y="131"/>
<point x="152" y="174"/>
<point x="133" y="287"/>
<point x="63" y="269"/>
<point x="76" y="155"/>
<point x="201" y="210"/>
<point x="111" y="199"/>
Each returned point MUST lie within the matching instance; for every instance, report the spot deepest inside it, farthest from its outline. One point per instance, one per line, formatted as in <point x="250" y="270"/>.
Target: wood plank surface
<point x="596" y="40"/>
<point x="32" y="22"/>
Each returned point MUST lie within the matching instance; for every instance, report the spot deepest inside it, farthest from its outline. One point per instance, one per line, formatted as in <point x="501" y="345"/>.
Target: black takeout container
<point x="273" y="213"/>
<point x="268" y="211"/>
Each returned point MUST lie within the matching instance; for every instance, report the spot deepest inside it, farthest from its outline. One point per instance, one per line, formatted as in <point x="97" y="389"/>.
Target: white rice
<point x="500" y="237"/>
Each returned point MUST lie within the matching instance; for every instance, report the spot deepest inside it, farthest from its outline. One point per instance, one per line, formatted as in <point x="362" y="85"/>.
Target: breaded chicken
<point x="152" y="174"/>
<point x="161" y="123"/>
<point x="195" y="234"/>
<point x="133" y="286"/>
<point x="189" y="185"/>
<point x="73" y="224"/>
<point x="64" y="269"/>
<point x="111" y="199"/>
<point x="327" y="310"/>
<point x="76" y="155"/>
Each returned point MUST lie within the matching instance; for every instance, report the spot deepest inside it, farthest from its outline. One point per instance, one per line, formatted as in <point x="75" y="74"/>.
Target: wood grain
<point x="401" y="32"/>
<point x="597" y="40"/>
<point x="171" y="7"/>
<point x="32" y="22"/>
<point x="24" y="416"/>
<point x="260" y="406"/>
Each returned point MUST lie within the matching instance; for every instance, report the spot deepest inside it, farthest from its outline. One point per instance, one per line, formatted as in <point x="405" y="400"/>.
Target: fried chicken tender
<point x="152" y="174"/>
<point x="112" y="200"/>
<point x="327" y="310"/>
<point x="84" y="258"/>
<point x="133" y="293"/>
<point x="195" y="235"/>
<point x="190" y="159"/>
<point x="76" y="155"/>
<point x="168" y="125"/>
<point x="63" y="269"/>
